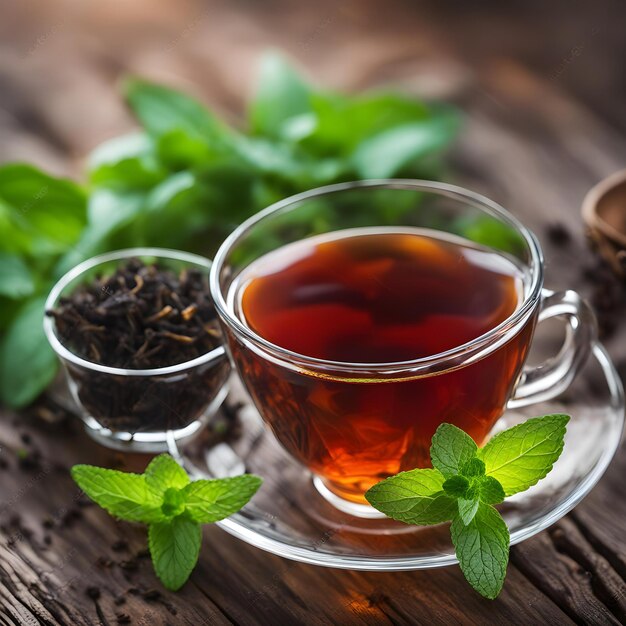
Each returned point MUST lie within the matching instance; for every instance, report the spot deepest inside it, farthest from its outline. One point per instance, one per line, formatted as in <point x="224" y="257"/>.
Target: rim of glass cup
<point x="65" y="353"/>
<point x="490" y="339"/>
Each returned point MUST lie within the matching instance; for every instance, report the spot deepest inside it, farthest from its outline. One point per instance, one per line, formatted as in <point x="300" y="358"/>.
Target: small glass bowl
<point x="141" y="410"/>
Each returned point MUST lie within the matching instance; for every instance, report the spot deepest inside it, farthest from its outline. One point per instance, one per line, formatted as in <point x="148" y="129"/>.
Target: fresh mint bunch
<point x="173" y="507"/>
<point x="464" y="485"/>
<point x="186" y="178"/>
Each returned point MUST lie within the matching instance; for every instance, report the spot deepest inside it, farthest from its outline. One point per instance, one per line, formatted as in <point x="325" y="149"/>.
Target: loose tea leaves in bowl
<point x="140" y="317"/>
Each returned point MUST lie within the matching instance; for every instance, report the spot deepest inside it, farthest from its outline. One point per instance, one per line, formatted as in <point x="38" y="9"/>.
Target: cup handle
<point x="552" y="377"/>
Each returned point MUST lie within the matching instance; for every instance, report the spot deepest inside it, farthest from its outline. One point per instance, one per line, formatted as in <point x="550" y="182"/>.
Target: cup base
<point x="343" y="505"/>
<point x="155" y="442"/>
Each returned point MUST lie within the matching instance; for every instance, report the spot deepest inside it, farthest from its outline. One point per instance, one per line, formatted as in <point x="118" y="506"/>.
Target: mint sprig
<point x="173" y="507"/>
<point x="464" y="484"/>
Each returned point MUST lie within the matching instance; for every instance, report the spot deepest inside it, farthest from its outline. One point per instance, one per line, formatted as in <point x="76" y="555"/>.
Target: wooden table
<point x="544" y="96"/>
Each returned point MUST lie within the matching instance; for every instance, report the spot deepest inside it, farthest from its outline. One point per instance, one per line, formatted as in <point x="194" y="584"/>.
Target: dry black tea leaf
<point x="142" y="317"/>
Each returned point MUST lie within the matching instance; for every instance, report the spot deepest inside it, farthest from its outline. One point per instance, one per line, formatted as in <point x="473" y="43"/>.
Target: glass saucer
<point x="290" y="518"/>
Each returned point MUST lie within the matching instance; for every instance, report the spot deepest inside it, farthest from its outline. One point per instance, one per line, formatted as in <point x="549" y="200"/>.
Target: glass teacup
<point x="353" y="423"/>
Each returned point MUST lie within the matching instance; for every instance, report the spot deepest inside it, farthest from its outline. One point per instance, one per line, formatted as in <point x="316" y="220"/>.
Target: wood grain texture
<point x="543" y="92"/>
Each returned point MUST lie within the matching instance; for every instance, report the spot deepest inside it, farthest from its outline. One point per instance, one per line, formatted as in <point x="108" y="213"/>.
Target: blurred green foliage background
<point x="185" y="180"/>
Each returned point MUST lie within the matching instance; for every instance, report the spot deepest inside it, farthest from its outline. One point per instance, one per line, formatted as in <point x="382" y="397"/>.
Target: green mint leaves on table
<point x="464" y="485"/>
<point x="173" y="507"/>
<point x="185" y="179"/>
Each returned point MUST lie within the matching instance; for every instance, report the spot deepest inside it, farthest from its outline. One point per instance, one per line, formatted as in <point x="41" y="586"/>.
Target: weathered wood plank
<point x="527" y="143"/>
<point x="585" y="587"/>
<point x="59" y="547"/>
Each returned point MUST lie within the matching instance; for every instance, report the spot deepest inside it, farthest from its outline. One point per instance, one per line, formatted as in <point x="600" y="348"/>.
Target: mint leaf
<point x="343" y="123"/>
<point x="161" y="109"/>
<point x="482" y="547"/>
<point x="413" y="497"/>
<point x="474" y="467"/>
<point x="176" y="150"/>
<point x="490" y="232"/>
<point x="40" y="215"/>
<point x="521" y="456"/>
<point x="174" y="548"/>
<point x="389" y="152"/>
<point x="173" y="502"/>
<point x="122" y="494"/>
<point x="450" y="449"/>
<point x="164" y="472"/>
<point x="16" y="279"/>
<point x="126" y="162"/>
<point x="281" y="96"/>
<point x="490" y="490"/>
<point x="111" y="212"/>
<point x="209" y="501"/>
<point x="27" y="362"/>
<point x="467" y="509"/>
<point x="456" y="486"/>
